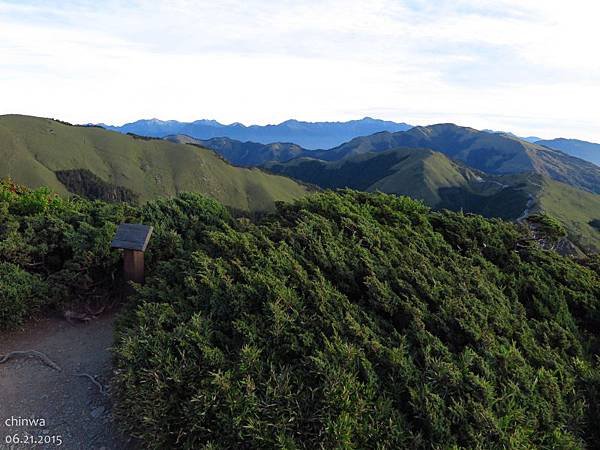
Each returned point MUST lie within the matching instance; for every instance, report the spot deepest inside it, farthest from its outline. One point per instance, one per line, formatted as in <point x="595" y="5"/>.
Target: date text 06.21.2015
<point x="32" y="439"/>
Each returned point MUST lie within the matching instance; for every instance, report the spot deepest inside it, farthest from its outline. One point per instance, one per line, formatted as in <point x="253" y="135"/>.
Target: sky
<point x="527" y="66"/>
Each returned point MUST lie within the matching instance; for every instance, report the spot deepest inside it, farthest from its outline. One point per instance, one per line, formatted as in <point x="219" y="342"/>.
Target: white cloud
<point x="526" y="66"/>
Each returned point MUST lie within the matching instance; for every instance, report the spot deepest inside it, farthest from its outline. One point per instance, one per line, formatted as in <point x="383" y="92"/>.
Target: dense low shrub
<point x="64" y="243"/>
<point x="353" y="320"/>
<point x="21" y="295"/>
<point x="345" y="320"/>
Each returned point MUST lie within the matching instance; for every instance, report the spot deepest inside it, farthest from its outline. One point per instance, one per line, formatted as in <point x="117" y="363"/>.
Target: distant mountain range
<point x="288" y="138"/>
<point x="310" y="135"/>
<point x="495" y="153"/>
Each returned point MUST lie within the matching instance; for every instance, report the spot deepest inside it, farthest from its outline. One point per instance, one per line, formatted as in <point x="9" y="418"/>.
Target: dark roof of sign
<point x="132" y="236"/>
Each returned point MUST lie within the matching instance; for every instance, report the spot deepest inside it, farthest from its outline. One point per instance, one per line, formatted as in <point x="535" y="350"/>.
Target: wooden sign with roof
<point x="133" y="238"/>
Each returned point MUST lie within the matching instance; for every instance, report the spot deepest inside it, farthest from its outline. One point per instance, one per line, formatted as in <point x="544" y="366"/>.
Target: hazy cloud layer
<point x="526" y="66"/>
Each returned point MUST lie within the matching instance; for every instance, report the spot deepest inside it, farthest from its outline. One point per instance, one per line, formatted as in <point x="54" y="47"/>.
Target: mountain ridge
<point x="417" y="173"/>
<point x="446" y="166"/>
<point x="244" y="154"/>
<point x="310" y="135"/>
<point x="589" y="151"/>
<point x="490" y="152"/>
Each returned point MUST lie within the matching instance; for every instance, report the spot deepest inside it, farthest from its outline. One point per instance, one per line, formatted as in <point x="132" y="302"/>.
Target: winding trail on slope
<point x="530" y="203"/>
<point x="71" y="404"/>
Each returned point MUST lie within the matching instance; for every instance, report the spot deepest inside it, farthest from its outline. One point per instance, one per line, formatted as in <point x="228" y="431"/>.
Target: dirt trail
<point x="72" y="406"/>
<point x="525" y="214"/>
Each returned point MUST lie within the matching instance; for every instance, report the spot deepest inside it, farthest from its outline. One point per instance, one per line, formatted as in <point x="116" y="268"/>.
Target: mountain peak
<point x="208" y="122"/>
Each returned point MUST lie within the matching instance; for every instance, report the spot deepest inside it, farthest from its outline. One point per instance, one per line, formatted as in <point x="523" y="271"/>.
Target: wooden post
<point x="133" y="266"/>
<point x="133" y="239"/>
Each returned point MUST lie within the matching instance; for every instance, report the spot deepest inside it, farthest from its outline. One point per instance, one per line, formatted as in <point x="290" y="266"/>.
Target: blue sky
<point x="528" y="66"/>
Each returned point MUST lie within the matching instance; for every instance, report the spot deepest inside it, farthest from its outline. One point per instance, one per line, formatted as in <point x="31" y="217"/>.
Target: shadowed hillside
<point x="418" y="173"/>
<point x="244" y="153"/>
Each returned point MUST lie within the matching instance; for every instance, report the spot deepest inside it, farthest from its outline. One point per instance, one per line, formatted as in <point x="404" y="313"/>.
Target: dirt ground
<point x="72" y="406"/>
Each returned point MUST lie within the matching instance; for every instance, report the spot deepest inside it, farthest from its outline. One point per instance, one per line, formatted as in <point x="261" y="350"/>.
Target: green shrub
<point x="551" y="227"/>
<point x="180" y="223"/>
<point x="21" y="294"/>
<point x="63" y="242"/>
<point x="344" y="320"/>
<point x="353" y="320"/>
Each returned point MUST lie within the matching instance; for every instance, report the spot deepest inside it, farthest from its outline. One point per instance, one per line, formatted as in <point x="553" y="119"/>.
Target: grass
<point x="575" y="209"/>
<point x="32" y="149"/>
<point x="418" y="173"/>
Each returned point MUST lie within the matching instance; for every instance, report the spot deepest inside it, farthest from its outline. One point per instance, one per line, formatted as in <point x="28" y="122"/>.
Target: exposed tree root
<point x="71" y="316"/>
<point x="32" y="354"/>
<point x="101" y="388"/>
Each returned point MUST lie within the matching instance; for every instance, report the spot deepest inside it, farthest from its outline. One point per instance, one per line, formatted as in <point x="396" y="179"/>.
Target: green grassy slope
<point x="418" y="173"/>
<point x="575" y="209"/>
<point x="32" y="149"/>
<point x="424" y="176"/>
